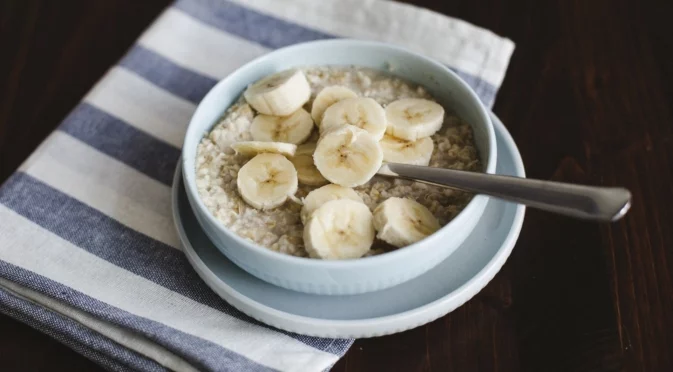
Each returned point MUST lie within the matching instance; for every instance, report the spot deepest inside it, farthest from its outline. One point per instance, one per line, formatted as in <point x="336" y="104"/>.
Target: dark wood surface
<point x="588" y="98"/>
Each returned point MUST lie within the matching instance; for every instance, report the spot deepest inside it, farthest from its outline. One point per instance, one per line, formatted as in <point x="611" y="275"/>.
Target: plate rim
<point x="365" y="327"/>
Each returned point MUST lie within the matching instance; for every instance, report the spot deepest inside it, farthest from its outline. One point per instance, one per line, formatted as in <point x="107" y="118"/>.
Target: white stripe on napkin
<point x="143" y="105"/>
<point x="457" y="43"/>
<point x="59" y="260"/>
<point x="120" y="335"/>
<point x="112" y="187"/>
<point x="195" y="45"/>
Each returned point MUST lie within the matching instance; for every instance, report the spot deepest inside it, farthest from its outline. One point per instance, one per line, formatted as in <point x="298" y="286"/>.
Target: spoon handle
<point x="586" y="202"/>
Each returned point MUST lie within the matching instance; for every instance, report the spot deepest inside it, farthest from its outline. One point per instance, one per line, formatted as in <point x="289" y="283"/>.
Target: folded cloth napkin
<point x="88" y="251"/>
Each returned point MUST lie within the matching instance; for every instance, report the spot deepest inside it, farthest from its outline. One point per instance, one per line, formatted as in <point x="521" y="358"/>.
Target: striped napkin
<point x="88" y="251"/>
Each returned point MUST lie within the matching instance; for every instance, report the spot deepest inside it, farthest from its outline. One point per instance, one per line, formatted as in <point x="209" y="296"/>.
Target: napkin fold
<point x="88" y="251"/>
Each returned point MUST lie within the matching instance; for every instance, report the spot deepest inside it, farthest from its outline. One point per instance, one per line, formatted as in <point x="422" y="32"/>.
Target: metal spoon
<point x="586" y="202"/>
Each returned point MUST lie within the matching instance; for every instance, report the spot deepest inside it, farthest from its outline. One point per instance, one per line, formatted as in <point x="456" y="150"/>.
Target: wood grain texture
<point x="588" y="98"/>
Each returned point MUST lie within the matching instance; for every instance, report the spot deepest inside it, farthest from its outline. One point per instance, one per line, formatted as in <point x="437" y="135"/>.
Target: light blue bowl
<point x="350" y="276"/>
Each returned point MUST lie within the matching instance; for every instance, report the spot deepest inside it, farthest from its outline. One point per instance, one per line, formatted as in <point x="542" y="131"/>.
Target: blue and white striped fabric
<point x="88" y="252"/>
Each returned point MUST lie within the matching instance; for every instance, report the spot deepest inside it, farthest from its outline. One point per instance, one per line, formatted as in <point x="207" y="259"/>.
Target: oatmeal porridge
<point x="280" y="226"/>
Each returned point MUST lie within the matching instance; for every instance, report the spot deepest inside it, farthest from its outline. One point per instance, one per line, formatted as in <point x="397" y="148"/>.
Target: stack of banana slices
<point x="356" y="136"/>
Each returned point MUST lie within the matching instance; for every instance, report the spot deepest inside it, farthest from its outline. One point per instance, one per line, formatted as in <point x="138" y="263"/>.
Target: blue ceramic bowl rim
<point x="190" y="174"/>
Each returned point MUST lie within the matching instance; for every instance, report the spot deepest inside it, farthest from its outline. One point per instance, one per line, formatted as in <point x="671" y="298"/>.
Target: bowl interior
<point x="445" y="86"/>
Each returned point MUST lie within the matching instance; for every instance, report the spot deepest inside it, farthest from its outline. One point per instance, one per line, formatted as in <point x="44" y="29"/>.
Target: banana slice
<point x="279" y="94"/>
<point x="306" y="171"/>
<point x="401" y="222"/>
<point x="267" y="181"/>
<point x="364" y="113"/>
<point x="294" y="128"/>
<point x="397" y="150"/>
<point x="318" y="197"/>
<point x="348" y="156"/>
<point x="339" y="229"/>
<point x="414" y="118"/>
<point x="252" y="148"/>
<point x="326" y="98"/>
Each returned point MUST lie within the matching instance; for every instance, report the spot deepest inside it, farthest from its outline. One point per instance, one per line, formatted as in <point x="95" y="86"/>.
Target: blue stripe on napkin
<point x="83" y="340"/>
<point x="114" y="137"/>
<point x="165" y="74"/>
<point x="251" y="25"/>
<point x="199" y="352"/>
<point x="484" y="90"/>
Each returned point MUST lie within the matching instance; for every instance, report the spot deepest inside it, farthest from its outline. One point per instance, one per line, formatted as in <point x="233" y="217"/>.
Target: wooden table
<point x="588" y="98"/>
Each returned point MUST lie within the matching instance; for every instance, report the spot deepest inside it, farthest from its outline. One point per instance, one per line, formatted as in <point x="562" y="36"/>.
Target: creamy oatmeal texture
<point x="281" y="229"/>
